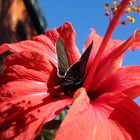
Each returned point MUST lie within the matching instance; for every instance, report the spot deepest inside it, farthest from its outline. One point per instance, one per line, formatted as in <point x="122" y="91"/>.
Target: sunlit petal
<point x="121" y="80"/>
<point x="106" y="118"/>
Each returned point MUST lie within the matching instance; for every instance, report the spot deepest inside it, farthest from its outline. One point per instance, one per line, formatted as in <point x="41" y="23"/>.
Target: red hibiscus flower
<point x="99" y="90"/>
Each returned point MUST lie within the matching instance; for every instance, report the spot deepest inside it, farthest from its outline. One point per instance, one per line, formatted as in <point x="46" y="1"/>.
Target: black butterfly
<point x="71" y="76"/>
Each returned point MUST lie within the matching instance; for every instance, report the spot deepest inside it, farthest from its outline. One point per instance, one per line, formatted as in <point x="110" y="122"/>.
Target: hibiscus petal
<point x="110" y="49"/>
<point x="29" y="66"/>
<point x="97" y="40"/>
<point x="122" y="80"/>
<point x="137" y="42"/>
<point x="96" y="43"/>
<point x="45" y="44"/>
<point x="115" y="117"/>
<point x="93" y="36"/>
<point x="29" y="59"/>
<point x="111" y="60"/>
<point x="41" y="44"/>
<point x="132" y="92"/>
<point x="19" y="88"/>
<point x="24" y="117"/>
<point x="78" y="123"/>
<point x="17" y="72"/>
<point x="110" y="117"/>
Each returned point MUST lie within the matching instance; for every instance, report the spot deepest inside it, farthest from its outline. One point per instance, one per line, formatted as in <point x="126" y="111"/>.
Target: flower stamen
<point x="111" y="10"/>
<point x="131" y="19"/>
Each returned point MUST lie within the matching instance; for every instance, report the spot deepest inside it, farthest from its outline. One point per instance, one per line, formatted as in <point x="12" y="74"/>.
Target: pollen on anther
<point x="128" y="10"/>
<point x="106" y="6"/>
<point x="115" y="3"/>
<point x="130" y="3"/>
<point x="134" y="8"/>
<point x="113" y="8"/>
<point x="138" y="10"/>
<point x="131" y="19"/>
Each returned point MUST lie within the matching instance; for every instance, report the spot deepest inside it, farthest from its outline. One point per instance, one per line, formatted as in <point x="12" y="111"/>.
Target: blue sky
<point x="88" y="14"/>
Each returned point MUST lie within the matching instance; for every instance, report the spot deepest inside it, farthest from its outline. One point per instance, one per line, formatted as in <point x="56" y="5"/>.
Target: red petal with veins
<point x="111" y="59"/>
<point x="45" y="44"/>
<point x="132" y="92"/>
<point x="26" y="73"/>
<point x="30" y="60"/>
<point x="122" y="80"/>
<point x="19" y="88"/>
<point x="29" y="66"/>
<point x="17" y="72"/>
<point x="97" y="39"/>
<point x="77" y="124"/>
<point x="23" y="118"/>
<point x="96" y="43"/>
<point x="112" y="47"/>
<point x="110" y="117"/>
<point x="40" y="44"/>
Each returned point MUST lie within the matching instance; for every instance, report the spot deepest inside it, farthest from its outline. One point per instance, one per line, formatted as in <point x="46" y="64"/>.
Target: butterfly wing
<point x="62" y="58"/>
<point x="75" y="73"/>
<point x="84" y="58"/>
